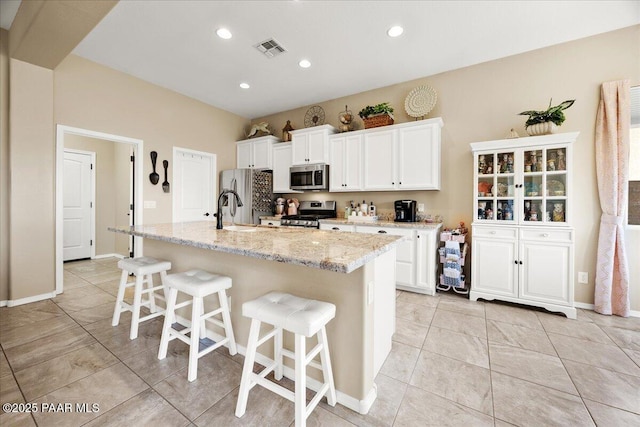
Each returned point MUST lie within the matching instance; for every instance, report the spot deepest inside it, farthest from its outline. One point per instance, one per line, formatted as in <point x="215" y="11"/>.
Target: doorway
<point x="195" y="185"/>
<point x="78" y="204"/>
<point x="133" y="175"/>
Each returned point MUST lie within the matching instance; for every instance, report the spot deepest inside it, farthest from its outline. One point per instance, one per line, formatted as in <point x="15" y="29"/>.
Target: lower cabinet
<point x="415" y="256"/>
<point x="532" y="266"/>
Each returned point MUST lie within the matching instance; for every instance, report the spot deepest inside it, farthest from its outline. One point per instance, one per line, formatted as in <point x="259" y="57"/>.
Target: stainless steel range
<point x="310" y="214"/>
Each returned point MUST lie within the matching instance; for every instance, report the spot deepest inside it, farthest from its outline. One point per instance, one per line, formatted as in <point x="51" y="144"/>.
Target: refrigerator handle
<point x="234" y="205"/>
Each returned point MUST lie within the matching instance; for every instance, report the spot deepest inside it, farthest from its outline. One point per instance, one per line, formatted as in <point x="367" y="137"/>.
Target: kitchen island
<point x="356" y="272"/>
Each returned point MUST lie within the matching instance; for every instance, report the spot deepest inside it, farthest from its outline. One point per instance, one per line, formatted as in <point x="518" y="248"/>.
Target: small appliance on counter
<point x="405" y="210"/>
<point x="309" y="214"/>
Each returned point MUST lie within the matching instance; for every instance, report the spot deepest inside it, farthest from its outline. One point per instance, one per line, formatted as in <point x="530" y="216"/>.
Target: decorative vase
<point x="544" y="128"/>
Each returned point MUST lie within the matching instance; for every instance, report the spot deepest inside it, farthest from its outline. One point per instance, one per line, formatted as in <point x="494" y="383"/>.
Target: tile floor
<point x="454" y="362"/>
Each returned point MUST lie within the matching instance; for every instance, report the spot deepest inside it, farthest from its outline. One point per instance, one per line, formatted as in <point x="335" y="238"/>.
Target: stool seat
<point x="304" y="318"/>
<point x="142" y="266"/>
<point x="289" y="312"/>
<point x="198" y="283"/>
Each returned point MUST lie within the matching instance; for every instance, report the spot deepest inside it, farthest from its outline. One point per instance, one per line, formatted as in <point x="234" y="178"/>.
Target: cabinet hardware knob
<point x="382" y="232"/>
<point x="270" y="223"/>
<point x="515" y="262"/>
<point x="400" y="183"/>
<point x="335" y="228"/>
<point x="520" y="262"/>
<point x="207" y="214"/>
<point x="393" y="183"/>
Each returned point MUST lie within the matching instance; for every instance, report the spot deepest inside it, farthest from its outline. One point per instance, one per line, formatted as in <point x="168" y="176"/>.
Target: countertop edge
<point x="323" y="265"/>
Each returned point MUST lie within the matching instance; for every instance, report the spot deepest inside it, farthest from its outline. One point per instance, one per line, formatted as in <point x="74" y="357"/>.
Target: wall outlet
<point x="583" y="277"/>
<point x="420" y="207"/>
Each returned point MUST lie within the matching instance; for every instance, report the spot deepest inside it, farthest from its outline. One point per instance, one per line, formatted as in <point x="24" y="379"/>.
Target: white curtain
<point x="612" y="167"/>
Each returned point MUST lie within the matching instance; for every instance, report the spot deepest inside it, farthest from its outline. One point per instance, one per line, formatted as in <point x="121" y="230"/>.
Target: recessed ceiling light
<point x="304" y="63"/>
<point x="223" y="33"/>
<point x="395" y="31"/>
<point x="244" y="85"/>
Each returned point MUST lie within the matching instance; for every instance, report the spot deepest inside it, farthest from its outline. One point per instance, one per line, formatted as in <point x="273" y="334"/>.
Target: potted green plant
<point x="545" y="122"/>
<point x="377" y="115"/>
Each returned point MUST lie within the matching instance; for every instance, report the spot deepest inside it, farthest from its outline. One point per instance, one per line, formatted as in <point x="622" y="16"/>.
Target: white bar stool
<point x="303" y="317"/>
<point x="198" y="284"/>
<point x="140" y="267"/>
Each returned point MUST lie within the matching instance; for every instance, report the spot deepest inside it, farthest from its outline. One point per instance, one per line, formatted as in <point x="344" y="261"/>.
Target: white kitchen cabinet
<point x="255" y="153"/>
<point x="426" y="264"/>
<point x="345" y="160"/>
<point x="415" y="257"/>
<point x="281" y="165"/>
<point x="338" y="227"/>
<point x="522" y="240"/>
<point x="271" y="222"/>
<point x="311" y="145"/>
<point x="418" y="158"/>
<point x="403" y="157"/>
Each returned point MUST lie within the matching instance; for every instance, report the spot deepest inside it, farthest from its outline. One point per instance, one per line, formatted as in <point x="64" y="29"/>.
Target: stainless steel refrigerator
<point x="255" y="190"/>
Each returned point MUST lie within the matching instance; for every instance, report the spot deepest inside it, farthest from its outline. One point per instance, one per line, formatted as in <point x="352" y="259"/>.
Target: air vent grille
<point x="270" y="48"/>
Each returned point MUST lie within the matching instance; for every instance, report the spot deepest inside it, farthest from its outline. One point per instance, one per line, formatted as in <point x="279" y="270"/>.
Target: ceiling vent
<point x="270" y="48"/>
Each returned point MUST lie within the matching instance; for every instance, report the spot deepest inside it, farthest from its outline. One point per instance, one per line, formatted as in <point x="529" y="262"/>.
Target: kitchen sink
<point x="244" y="228"/>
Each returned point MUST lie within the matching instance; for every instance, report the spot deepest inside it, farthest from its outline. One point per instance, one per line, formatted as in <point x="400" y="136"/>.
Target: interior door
<point x="77" y="205"/>
<point x="195" y="186"/>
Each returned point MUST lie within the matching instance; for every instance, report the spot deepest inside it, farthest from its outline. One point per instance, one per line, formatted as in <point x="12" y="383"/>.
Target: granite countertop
<point x="383" y="223"/>
<point x="326" y="250"/>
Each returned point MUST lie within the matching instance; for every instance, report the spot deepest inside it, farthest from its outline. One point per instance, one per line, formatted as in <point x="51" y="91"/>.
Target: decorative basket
<point x="377" y="121"/>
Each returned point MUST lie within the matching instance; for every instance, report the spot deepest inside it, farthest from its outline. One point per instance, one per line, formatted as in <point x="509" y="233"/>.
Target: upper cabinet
<point x="403" y="157"/>
<point x="256" y="153"/>
<point x="524" y="181"/>
<point x="281" y="165"/>
<point x="345" y="160"/>
<point x="311" y="145"/>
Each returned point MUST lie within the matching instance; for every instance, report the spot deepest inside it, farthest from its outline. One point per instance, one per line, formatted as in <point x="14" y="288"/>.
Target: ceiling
<point x="173" y="43"/>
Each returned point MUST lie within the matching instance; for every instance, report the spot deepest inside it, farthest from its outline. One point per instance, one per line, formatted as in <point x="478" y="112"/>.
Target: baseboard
<point x="27" y="300"/>
<point x="632" y="313"/>
<point x="360" y="406"/>
<point x="3" y="303"/>
<point x="109" y="256"/>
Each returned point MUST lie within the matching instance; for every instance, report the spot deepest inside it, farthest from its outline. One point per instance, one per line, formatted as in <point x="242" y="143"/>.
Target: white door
<point x="244" y="154"/>
<point x="337" y="180"/>
<point x="77" y="205"/>
<point x="379" y="160"/>
<point x="545" y="272"/>
<point x="494" y="266"/>
<point x="419" y="158"/>
<point x="194" y="180"/>
<point x="281" y="165"/>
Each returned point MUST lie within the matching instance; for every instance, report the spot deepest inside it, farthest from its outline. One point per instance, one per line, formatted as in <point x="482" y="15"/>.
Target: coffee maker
<point x="405" y="210"/>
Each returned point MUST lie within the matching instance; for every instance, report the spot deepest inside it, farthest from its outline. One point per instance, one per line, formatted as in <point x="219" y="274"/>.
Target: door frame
<point x="92" y="218"/>
<point x="61" y="131"/>
<point x="214" y="177"/>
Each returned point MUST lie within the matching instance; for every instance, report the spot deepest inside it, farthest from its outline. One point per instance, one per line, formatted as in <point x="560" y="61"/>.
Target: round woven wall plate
<point x="420" y="101"/>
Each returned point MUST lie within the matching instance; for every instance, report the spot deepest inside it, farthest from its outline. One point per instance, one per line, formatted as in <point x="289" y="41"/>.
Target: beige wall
<point x="112" y="189"/>
<point x="481" y="102"/>
<point x="4" y="165"/>
<point x="32" y="154"/>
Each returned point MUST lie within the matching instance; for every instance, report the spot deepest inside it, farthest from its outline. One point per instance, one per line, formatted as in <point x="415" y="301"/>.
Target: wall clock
<point x="314" y="116"/>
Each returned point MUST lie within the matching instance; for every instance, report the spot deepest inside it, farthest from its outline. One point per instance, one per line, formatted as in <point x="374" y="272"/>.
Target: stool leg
<point x="135" y="315"/>
<point x="120" y="298"/>
<point x="327" y="372"/>
<point x="247" y="369"/>
<point x="203" y="323"/>
<point x="151" y="297"/>
<point x="166" y="326"/>
<point x="301" y="381"/>
<point x="277" y="354"/>
<point x="194" y="347"/>
<point x="226" y="318"/>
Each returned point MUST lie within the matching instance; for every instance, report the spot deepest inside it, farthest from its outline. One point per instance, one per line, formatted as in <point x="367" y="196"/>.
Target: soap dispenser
<point x="372" y="209"/>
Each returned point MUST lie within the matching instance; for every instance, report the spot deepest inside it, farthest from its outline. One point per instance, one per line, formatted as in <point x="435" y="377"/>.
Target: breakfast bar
<point x="356" y="272"/>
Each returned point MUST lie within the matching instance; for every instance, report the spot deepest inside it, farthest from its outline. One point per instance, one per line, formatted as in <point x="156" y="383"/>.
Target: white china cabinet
<point x="523" y="242"/>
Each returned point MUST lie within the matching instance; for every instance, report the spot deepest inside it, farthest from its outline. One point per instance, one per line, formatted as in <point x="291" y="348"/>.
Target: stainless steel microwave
<point x="309" y="177"/>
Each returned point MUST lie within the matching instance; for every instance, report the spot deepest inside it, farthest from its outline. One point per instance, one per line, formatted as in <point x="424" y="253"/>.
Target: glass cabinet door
<point x="556" y="185"/>
<point x="485" y="186"/>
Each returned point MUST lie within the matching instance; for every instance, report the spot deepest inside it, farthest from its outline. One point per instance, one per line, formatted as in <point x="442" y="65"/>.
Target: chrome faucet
<point x="223" y="198"/>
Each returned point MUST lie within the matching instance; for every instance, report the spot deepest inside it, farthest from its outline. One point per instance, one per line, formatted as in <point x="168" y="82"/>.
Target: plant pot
<point x="545" y="128"/>
<point x="377" y="121"/>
